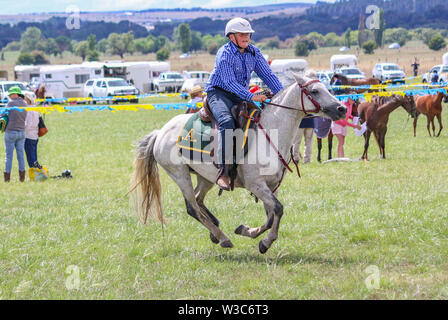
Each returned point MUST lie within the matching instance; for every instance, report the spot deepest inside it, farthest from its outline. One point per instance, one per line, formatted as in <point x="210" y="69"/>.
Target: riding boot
<point x="7" y="176"/>
<point x="22" y="176"/>
<point x="223" y="180"/>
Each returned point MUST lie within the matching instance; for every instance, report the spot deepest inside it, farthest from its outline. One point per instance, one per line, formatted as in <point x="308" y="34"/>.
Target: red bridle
<point x="307" y="94"/>
<point x="304" y="92"/>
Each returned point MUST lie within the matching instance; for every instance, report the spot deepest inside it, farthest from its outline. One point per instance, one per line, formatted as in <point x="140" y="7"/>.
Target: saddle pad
<point x="196" y="137"/>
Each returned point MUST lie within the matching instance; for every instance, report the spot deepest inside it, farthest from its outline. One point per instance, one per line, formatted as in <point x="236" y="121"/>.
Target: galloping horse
<point x="260" y="175"/>
<point x="430" y="106"/>
<point x="354" y="82"/>
<point x="376" y="114"/>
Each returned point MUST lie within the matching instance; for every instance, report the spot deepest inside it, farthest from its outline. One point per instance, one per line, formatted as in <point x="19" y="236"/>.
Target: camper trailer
<point x="139" y="73"/>
<point x="445" y="59"/>
<point x="26" y="73"/>
<point x="343" y="60"/>
<point x="65" y="81"/>
<point x="283" y="69"/>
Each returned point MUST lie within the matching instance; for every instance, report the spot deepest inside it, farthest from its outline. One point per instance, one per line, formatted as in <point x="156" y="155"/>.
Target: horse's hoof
<point x="262" y="247"/>
<point x="226" y="244"/>
<point x="239" y="230"/>
<point x="213" y="238"/>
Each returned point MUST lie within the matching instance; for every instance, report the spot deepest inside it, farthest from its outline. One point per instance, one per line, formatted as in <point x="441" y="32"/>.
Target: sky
<point x="31" y="6"/>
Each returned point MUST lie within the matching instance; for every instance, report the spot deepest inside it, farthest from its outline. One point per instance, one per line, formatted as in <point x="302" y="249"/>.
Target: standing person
<point x="31" y="134"/>
<point x="435" y="77"/>
<point x="339" y="128"/>
<point x="15" y="133"/>
<point x="306" y="129"/>
<point x="415" y="66"/>
<point x="229" y="85"/>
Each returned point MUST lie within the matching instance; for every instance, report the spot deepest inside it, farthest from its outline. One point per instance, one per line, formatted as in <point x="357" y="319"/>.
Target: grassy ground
<point x="340" y="219"/>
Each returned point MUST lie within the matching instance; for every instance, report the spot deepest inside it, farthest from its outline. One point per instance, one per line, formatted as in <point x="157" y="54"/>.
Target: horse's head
<point x="409" y="105"/>
<point x="313" y="97"/>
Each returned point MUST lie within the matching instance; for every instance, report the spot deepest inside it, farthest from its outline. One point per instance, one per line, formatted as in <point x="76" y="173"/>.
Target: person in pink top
<point x="339" y="128"/>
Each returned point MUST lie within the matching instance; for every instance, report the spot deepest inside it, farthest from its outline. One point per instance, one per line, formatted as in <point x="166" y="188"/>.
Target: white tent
<point x="344" y="49"/>
<point x="343" y="60"/>
<point x="445" y="59"/>
<point x="394" y="46"/>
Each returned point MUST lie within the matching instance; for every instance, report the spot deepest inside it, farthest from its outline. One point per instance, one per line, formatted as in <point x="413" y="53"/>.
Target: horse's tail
<point x="145" y="180"/>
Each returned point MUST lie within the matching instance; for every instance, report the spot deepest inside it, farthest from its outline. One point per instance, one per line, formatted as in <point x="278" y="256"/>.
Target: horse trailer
<point x="343" y="60"/>
<point x="283" y="69"/>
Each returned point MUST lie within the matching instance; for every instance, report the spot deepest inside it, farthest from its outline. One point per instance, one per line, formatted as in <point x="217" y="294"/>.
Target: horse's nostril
<point x="342" y="109"/>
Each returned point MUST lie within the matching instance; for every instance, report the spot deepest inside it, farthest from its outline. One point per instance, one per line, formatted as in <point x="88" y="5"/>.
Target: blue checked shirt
<point x="233" y="70"/>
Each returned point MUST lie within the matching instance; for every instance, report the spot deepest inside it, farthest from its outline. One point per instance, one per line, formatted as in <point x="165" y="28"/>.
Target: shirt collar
<point x="249" y="49"/>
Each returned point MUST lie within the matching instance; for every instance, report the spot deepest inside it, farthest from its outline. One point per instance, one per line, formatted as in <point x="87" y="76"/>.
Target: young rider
<point x="229" y="84"/>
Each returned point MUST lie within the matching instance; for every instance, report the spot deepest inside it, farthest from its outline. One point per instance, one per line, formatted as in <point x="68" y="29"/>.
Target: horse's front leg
<point x="274" y="209"/>
<point x="330" y="145"/>
<point x="253" y="233"/>
<point x="319" y="148"/>
<point x="366" y="144"/>
<point x="439" y="118"/>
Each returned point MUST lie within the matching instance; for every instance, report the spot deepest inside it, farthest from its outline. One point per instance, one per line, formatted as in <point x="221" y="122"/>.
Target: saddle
<point x="238" y="111"/>
<point x="196" y="138"/>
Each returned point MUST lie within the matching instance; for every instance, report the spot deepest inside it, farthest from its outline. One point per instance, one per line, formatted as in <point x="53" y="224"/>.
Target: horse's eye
<point x="315" y="92"/>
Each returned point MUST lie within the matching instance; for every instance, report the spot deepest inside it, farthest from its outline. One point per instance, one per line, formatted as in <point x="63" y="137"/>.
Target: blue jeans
<point x="31" y="151"/>
<point x="220" y="103"/>
<point x="14" y="139"/>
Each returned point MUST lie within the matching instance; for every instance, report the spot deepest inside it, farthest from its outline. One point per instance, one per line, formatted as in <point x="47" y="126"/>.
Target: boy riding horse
<point x="229" y="85"/>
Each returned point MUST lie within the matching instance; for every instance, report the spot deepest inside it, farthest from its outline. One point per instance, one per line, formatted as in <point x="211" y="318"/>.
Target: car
<point x="351" y="72"/>
<point x="194" y="78"/>
<point x="6" y="85"/>
<point x="108" y="87"/>
<point x="389" y="72"/>
<point x="169" y="82"/>
<point x="442" y="71"/>
<point x="324" y="77"/>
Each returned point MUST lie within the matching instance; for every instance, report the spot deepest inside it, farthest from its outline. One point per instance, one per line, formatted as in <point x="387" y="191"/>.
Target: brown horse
<point x="40" y="93"/>
<point x="376" y="114"/>
<point x="431" y="106"/>
<point x="354" y="82"/>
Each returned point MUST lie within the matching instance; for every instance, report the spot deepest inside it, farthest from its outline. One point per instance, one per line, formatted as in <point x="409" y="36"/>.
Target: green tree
<point x="51" y="47"/>
<point x="332" y="39"/>
<point x="163" y="54"/>
<point x="39" y="57"/>
<point x="13" y="46"/>
<point x="347" y="38"/>
<point x="25" y="58"/>
<point x="128" y="41"/>
<point x="64" y="44"/>
<point x="121" y="44"/>
<point x="3" y="56"/>
<point x="301" y="49"/>
<point x="91" y="42"/>
<point x="30" y="39"/>
<point x="362" y="37"/>
<point x="196" y="41"/>
<point x="102" y="45"/>
<point x="369" y="47"/>
<point x="212" y="48"/>
<point x="81" y="49"/>
<point x="437" y="43"/>
<point x="378" y="33"/>
<point x="183" y="37"/>
<point x="93" y="55"/>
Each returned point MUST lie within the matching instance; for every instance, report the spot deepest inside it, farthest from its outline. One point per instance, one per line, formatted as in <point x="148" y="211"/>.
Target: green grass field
<point x="340" y="218"/>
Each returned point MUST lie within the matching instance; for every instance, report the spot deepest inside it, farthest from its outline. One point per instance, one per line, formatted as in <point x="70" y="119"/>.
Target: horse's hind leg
<point x="181" y="175"/>
<point x="366" y="144"/>
<point x="202" y="188"/>
<point x="428" y="123"/>
<point x="439" y="118"/>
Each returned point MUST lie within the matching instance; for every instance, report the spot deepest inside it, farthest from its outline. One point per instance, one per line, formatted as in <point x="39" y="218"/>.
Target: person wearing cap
<point x="229" y="85"/>
<point x="15" y="133"/>
<point x="196" y="94"/>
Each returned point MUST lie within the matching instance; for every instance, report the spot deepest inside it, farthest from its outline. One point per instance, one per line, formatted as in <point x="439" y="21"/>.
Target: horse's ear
<point x="300" y="79"/>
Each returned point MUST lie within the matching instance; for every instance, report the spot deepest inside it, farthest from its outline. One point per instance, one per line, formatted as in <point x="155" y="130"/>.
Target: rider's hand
<point x="259" y="98"/>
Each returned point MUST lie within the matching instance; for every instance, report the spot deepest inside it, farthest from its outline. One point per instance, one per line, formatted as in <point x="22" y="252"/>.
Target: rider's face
<point x="243" y="39"/>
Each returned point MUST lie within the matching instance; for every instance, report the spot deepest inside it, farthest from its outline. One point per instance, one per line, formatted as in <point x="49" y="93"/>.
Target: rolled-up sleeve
<point x="263" y="70"/>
